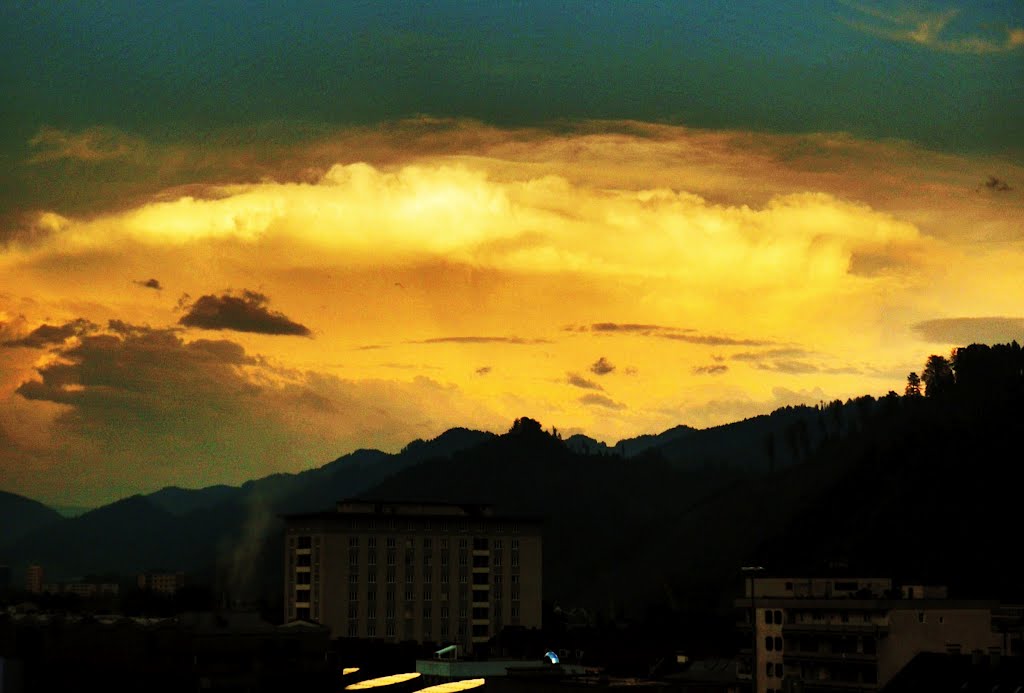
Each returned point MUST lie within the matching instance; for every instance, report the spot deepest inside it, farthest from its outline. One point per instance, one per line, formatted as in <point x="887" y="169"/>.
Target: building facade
<point x="34" y="579"/>
<point x="163" y="583"/>
<point x="440" y="573"/>
<point x="853" y="634"/>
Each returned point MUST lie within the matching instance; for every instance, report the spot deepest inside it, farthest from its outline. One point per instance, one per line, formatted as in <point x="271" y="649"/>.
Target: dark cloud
<point x="48" y="335"/>
<point x="715" y="340"/>
<point x="579" y="381"/>
<point x="996" y="184"/>
<point x="149" y="283"/>
<point x="682" y="334"/>
<point x="479" y="340"/>
<point x="483" y="370"/>
<point x="144" y="408"/>
<point x="597" y="400"/>
<point x="782" y="352"/>
<point x="628" y="327"/>
<point x="791" y="366"/>
<point x="712" y="369"/>
<point x="245" y="313"/>
<point x="602" y="367"/>
<point x="964" y="331"/>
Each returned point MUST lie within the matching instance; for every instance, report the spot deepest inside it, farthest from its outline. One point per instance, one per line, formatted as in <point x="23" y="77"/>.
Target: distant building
<point x="85" y="589"/>
<point x="854" y="633"/>
<point x="427" y="572"/>
<point x="164" y="583"/>
<point x="34" y="579"/>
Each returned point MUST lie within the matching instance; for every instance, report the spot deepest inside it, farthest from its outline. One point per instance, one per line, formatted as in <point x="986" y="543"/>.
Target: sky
<point x="239" y="239"/>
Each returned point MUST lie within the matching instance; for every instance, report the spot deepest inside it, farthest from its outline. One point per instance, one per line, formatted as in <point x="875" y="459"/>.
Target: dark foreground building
<point x="423" y="572"/>
<point x="193" y="652"/>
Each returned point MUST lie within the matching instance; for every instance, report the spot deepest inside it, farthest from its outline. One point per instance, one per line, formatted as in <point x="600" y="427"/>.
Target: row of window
<point x="771" y="616"/>
<point x="391" y="576"/>
<point x="478" y="629"/>
<point x="773" y="643"/>
<point x="428" y="595"/>
<point x="426" y="543"/>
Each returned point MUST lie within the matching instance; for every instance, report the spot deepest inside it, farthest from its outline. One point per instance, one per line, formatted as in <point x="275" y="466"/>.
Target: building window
<point x="497" y="560"/>
<point x="444" y="578"/>
<point x="303" y="560"/>
<point x="371" y="629"/>
<point x="371" y="595"/>
<point x="497" y="580"/>
<point x="353" y="577"/>
<point x="515" y="544"/>
<point x="389" y="611"/>
<point x="391" y="557"/>
<point x="391" y="542"/>
<point x="479" y="578"/>
<point x="302" y="613"/>
<point x="427" y="594"/>
<point x="515" y="612"/>
<point x="778" y="644"/>
<point x="372" y="542"/>
<point x="769" y="669"/>
<point x="371" y="558"/>
<point x="353" y="557"/>
<point x="480" y="544"/>
<point x="444" y="559"/>
<point x="371" y="577"/>
<point x="463" y="559"/>
<point x="444" y="629"/>
<point x="427" y="611"/>
<point x="353" y="630"/>
<point x="305" y="542"/>
<point x="353" y="594"/>
<point x="497" y="544"/>
<point x="391" y="575"/>
<point x="515" y="579"/>
<point x="480" y="561"/>
<point x="353" y="611"/>
<point x="515" y="594"/>
<point x="444" y="612"/>
<point x="302" y="578"/>
<point x="515" y="559"/>
<point x="922" y="617"/>
<point x="390" y="594"/>
<point x="410" y="575"/>
<point x="463" y="544"/>
<point x="769" y="643"/>
<point x="353" y="542"/>
<point x="778" y="617"/>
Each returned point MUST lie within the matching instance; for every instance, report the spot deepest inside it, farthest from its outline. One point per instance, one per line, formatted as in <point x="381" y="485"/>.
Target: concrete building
<point x="853" y="634"/>
<point x="164" y="583"/>
<point x="427" y="572"/>
<point x="34" y="579"/>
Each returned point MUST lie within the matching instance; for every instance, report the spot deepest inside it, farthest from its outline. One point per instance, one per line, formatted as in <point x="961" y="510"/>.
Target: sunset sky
<point x="239" y="239"/>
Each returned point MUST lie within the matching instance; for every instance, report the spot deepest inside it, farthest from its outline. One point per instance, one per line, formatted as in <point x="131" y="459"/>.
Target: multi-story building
<point x="429" y="572"/>
<point x="853" y="634"/>
<point x="164" y="583"/>
<point x="34" y="579"/>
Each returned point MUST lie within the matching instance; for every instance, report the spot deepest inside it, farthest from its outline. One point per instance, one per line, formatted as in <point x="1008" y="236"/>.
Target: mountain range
<point x="902" y="486"/>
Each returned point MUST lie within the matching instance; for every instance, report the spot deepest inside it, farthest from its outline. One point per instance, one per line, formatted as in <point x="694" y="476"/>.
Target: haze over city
<point x="245" y="240"/>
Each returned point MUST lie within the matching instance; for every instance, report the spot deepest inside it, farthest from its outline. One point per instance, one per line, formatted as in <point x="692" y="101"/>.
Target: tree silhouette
<point x="937" y="376"/>
<point x="913" y="385"/>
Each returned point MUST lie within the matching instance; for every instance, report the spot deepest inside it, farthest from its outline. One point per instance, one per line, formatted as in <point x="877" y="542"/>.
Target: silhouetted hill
<point x="20" y="515"/>
<point x="594" y="508"/>
<point x="631" y="447"/>
<point x="223" y="529"/>
<point x="180" y="501"/>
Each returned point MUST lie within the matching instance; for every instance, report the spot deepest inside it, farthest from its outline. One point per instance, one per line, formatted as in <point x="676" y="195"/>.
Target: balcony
<point x="821" y="656"/>
<point x="838" y="628"/>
